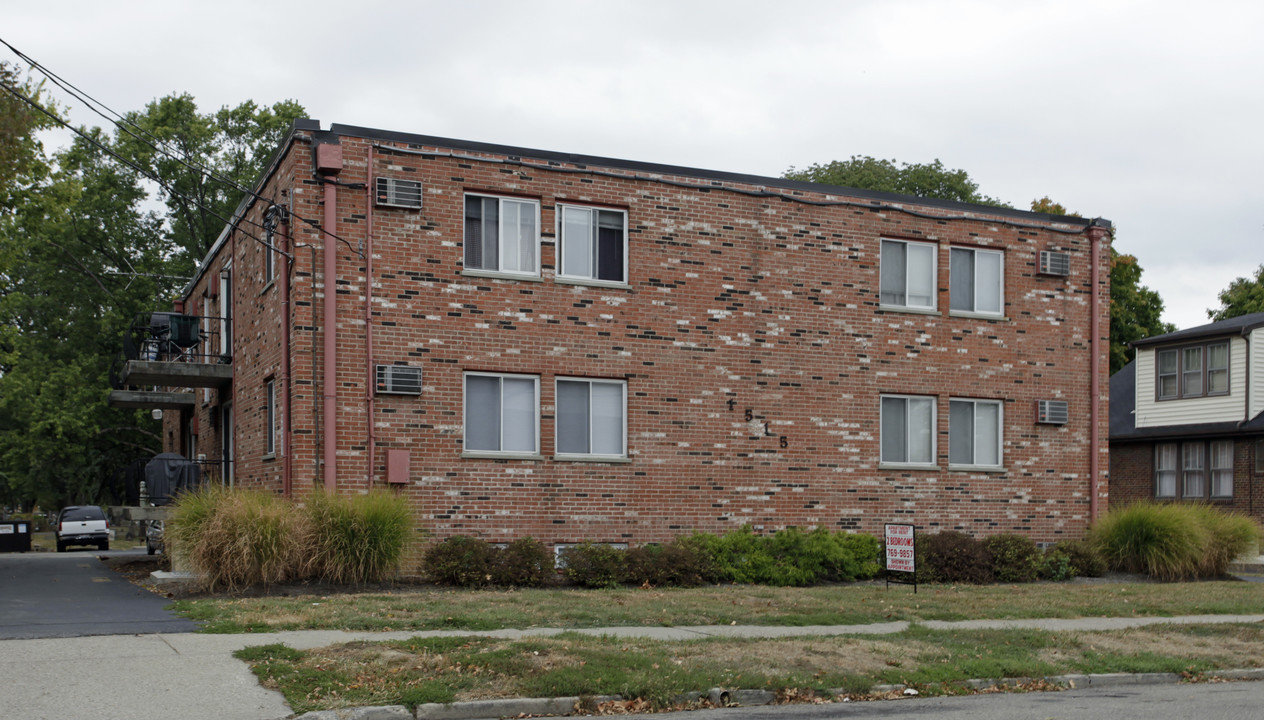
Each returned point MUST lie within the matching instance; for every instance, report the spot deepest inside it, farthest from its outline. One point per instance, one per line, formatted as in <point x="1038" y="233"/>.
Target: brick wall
<point x="735" y="302"/>
<point x="1132" y="477"/>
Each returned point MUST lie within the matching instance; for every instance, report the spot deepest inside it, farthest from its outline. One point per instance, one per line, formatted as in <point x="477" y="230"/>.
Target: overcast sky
<point x="1150" y="114"/>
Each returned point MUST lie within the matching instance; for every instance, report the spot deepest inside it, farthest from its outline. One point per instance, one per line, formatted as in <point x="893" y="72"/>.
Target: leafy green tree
<point x="80" y="257"/>
<point x="929" y="180"/>
<point x="1135" y="310"/>
<point x="1244" y="296"/>
<point x="203" y="159"/>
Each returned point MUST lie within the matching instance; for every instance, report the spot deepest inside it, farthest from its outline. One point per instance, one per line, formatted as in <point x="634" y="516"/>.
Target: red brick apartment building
<point x="575" y="348"/>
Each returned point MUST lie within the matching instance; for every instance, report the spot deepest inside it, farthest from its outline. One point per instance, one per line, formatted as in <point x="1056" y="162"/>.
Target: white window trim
<point x="934" y="442"/>
<point x="499" y="272"/>
<point x="1000" y="435"/>
<point x="499" y="454"/>
<point x="560" y="234"/>
<point x="558" y="454"/>
<point x="934" y="278"/>
<point x="974" y="301"/>
<point x="272" y="446"/>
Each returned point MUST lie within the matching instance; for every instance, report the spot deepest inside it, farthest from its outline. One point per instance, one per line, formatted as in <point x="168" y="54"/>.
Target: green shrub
<point x="459" y="560"/>
<point x="739" y="556"/>
<point x="1015" y="558"/>
<point x="867" y="552"/>
<point x="1055" y="565"/>
<point x="522" y="563"/>
<point x="1163" y="541"/>
<point x="593" y="565"/>
<point x="1230" y="536"/>
<point x="953" y="557"/>
<point x="358" y="538"/>
<point x="233" y="539"/>
<point x="680" y="563"/>
<point x="1084" y="559"/>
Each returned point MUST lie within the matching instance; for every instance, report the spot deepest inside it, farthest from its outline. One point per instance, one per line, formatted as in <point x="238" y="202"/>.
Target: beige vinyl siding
<point x="1256" y="381"/>
<point x="1191" y="411"/>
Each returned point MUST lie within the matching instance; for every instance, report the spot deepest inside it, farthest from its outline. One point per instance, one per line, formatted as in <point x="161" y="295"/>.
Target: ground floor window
<point x="501" y="413"/>
<point x="590" y="417"/>
<point x="1200" y="468"/>
<point x="908" y="430"/>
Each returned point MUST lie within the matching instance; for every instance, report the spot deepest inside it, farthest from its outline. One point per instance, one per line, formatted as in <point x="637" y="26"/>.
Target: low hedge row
<point x="788" y="557"/>
<point x="954" y="557"/>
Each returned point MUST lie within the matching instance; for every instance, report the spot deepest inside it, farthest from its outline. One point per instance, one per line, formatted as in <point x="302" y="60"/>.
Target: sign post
<point x="901" y="555"/>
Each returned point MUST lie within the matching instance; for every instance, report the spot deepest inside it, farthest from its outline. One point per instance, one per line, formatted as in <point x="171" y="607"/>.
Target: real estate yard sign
<point x="901" y="556"/>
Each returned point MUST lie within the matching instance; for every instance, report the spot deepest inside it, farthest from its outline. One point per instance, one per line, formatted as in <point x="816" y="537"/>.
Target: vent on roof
<point x="1055" y="263"/>
<point x="393" y="192"/>
<point x="1052" y="412"/>
<point x="398" y="380"/>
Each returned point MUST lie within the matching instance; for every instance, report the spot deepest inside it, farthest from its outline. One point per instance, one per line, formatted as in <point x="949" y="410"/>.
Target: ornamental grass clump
<point x="233" y="539"/>
<point x="1163" y="541"/>
<point x="1229" y="536"/>
<point x="356" y="539"/>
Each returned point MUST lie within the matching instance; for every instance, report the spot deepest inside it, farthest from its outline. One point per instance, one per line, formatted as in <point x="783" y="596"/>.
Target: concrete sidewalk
<point x="194" y="676"/>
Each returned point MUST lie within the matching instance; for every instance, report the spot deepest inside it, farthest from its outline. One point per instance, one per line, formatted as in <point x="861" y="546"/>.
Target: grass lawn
<point x="656" y="672"/>
<point x="422" y="608"/>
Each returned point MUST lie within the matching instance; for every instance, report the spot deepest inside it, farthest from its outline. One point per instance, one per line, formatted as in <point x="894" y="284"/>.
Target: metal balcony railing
<point x="173" y="337"/>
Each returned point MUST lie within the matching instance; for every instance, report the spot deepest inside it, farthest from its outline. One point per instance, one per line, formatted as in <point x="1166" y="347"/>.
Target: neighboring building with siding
<point x="1187" y="418"/>
<point x="575" y="348"/>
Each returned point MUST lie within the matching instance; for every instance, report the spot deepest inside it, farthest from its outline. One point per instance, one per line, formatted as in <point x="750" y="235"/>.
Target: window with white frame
<point x="907" y="277"/>
<point x="593" y="243"/>
<point x="1222" y="468"/>
<point x="976" y="280"/>
<point x="974" y="433"/>
<point x="1165" y="464"/>
<point x="502" y="234"/>
<point x="502" y="413"/>
<point x="908" y="430"/>
<point x="1192" y="470"/>
<point x="591" y="417"/>
<point x="271" y="418"/>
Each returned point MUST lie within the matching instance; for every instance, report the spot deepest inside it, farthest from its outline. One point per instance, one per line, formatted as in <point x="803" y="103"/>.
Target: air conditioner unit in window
<point x="1055" y="263"/>
<point x="393" y="192"/>
<point x="398" y="380"/>
<point x="1052" y="412"/>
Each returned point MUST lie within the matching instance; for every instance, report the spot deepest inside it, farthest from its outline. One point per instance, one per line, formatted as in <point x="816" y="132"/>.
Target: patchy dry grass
<point x="657" y="672"/>
<point x="423" y="608"/>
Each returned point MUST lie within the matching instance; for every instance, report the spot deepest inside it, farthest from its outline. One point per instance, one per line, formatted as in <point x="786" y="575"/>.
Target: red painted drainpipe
<point x="287" y="452"/>
<point x="1095" y="236"/>
<point x="329" y="164"/>
<point x="371" y="381"/>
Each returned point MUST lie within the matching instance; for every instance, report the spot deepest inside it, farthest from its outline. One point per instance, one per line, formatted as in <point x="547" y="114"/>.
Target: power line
<point x="122" y="124"/>
<point x="92" y="141"/>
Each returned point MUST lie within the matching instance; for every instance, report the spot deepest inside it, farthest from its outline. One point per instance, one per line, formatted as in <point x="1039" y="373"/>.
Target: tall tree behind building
<point x="1244" y="296"/>
<point x="80" y="257"/>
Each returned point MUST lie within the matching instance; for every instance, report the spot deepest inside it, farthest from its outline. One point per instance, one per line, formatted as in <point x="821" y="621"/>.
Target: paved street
<point x="1218" y="701"/>
<point x="70" y="594"/>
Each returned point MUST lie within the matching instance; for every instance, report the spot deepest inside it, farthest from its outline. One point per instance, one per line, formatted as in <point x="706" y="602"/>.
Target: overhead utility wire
<point x="132" y="165"/>
<point x="158" y="145"/>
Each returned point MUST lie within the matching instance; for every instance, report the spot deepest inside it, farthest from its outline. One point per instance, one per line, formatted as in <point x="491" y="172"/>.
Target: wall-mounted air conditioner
<point x="398" y="380"/>
<point x="1055" y="263"/>
<point x="394" y="192"/>
<point x="1052" y="412"/>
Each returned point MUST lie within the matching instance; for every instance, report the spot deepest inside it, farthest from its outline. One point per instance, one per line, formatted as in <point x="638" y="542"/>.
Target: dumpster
<point x="15" y="535"/>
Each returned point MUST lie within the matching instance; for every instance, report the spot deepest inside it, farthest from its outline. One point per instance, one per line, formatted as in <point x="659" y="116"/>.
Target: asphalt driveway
<point x="73" y="594"/>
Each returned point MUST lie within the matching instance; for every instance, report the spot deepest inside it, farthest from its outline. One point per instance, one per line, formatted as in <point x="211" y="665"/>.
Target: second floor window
<point x="976" y="281"/>
<point x="502" y="235"/>
<point x="594" y="244"/>
<point x="907" y="277"/>
<point x="1193" y="371"/>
